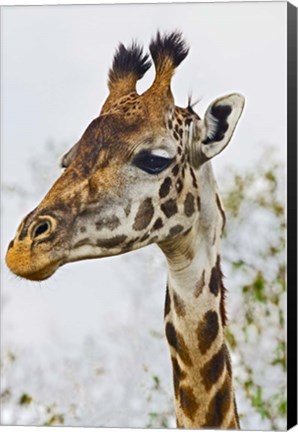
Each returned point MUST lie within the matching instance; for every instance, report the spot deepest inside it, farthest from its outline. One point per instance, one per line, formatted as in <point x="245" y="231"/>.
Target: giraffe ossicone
<point x="140" y="174"/>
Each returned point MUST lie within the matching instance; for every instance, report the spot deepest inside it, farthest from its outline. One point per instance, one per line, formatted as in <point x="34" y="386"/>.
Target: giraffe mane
<point x="222" y="290"/>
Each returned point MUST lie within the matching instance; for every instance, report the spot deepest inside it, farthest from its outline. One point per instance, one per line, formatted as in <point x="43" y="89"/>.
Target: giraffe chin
<point x="40" y="275"/>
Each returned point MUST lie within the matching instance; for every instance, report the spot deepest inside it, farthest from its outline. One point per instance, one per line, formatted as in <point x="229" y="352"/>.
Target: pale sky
<point x="54" y="71"/>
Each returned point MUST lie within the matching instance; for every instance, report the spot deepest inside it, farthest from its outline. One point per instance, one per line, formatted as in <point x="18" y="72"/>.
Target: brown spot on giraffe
<point x="157" y="224"/>
<point x="189" y="207"/>
<point x="170" y="124"/>
<point x="213" y="369"/>
<point x="111" y="223"/>
<point x="176" y="136"/>
<point x="175" y="230"/>
<point x="216" y="278"/>
<point x="169" y="208"/>
<point x="167" y="303"/>
<point x="207" y="330"/>
<point x="216" y="286"/>
<point x="175" y="170"/>
<point x="176" y="340"/>
<point x="188" y="401"/>
<point x="165" y="187"/>
<point x="200" y="285"/>
<point x="144" y="215"/>
<point x="219" y="406"/>
<point x="223" y="215"/>
<point x="127" y="209"/>
<point x="111" y="242"/>
<point x="179" y="305"/>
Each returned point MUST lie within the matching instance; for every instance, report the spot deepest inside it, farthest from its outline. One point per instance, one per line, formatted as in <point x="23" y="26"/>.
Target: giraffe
<point x="140" y="174"/>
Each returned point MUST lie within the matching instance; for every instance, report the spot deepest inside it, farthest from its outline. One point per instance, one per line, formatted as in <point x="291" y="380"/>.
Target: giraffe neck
<point x="195" y="320"/>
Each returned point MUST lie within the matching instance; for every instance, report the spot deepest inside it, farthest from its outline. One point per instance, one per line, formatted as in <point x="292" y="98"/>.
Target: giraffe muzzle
<point x="20" y="262"/>
<point x="29" y="255"/>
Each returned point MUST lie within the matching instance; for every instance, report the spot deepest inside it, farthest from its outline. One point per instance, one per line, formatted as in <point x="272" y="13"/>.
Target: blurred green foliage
<point x="254" y="253"/>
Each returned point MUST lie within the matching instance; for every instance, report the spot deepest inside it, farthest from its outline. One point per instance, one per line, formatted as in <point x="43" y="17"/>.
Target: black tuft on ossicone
<point x="129" y="60"/>
<point x="169" y="45"/>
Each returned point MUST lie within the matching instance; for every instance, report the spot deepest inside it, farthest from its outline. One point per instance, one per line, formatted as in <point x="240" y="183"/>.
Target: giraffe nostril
<point x="41" y="228"/>
<point x="11" y="243"/>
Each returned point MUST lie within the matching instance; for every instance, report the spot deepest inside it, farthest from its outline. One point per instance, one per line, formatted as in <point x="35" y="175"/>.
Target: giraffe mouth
<point x="28" y="271"/>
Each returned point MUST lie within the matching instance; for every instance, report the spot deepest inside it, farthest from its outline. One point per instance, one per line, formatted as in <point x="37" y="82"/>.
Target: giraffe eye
<point x="151" y="163"/>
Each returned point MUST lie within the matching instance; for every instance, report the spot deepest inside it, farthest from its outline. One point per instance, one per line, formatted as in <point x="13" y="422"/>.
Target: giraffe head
<point x="131" y="179"/>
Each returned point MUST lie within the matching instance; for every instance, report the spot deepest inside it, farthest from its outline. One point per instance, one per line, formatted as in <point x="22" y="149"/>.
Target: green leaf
<point x="283" y="408"/>
<point x="25" y="399"/>
<point x="156" y="382"/>
<point x="55" y="419"/>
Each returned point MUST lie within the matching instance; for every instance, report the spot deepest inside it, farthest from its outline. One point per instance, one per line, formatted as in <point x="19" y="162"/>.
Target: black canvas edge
<point x="292" y="214"/>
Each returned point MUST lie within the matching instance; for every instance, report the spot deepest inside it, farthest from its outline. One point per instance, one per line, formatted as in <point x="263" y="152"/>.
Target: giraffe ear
<point x="219" y="123"/>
